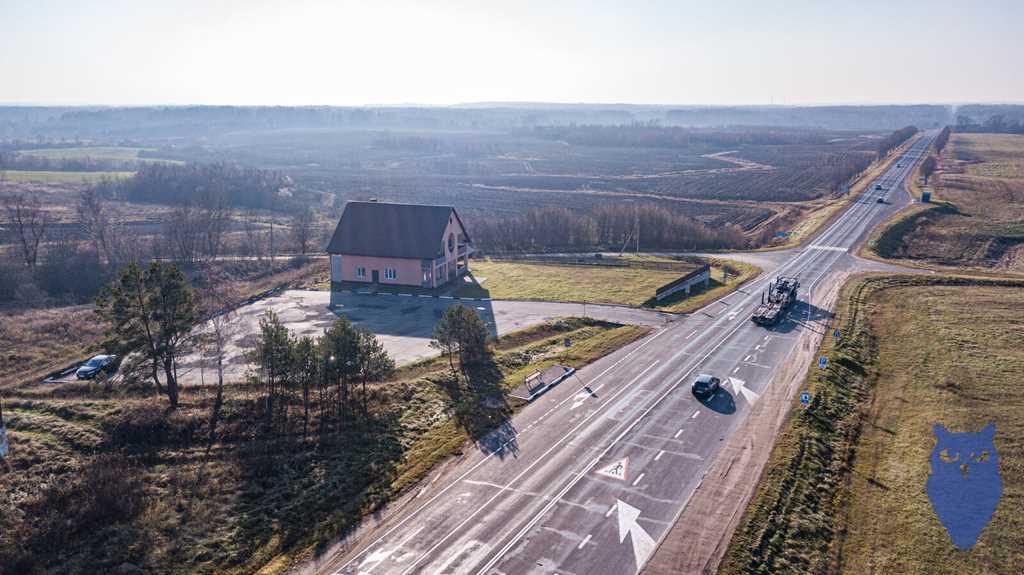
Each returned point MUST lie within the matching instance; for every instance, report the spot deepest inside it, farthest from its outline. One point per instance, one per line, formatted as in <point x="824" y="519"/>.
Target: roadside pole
<point x="3" y="432"/>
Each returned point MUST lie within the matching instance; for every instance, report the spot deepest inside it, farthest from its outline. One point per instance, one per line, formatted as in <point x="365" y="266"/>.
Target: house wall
<point x="408" y="270"/>
<point x="451" y="257"/>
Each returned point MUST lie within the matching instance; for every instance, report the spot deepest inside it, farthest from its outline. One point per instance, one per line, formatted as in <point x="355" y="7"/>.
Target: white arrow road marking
<point x="616" y="470"/>
<point x="732" y="316"/>
<point x="739" y="388"/>
<point x="643" y="544"/>
<point x="580" y="398"/>
<point x="480" y="547"/>
<point x="375" y="558"/>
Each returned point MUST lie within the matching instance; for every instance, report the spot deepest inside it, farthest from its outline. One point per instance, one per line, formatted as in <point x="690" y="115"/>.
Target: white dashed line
<point x="678" y="433"/>
<point x="425" y="295"/>
<point x="445" y="297"/>
<point x="637" y="480"/>
<point x="610" y="511"/>
<point x="584" y="542"/>
<point x="694" y="332"/>
<point x="695" y="413"/>
<point x="737" y="368"/>
<point x="747" y="358"/>
<point x="658" y="456"/>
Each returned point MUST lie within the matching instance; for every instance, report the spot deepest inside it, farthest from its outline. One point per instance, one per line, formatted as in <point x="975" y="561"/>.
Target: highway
<point x="598" y="469"/>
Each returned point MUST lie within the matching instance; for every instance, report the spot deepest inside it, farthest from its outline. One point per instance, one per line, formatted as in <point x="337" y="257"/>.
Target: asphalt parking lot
<point x="403" y="323"/>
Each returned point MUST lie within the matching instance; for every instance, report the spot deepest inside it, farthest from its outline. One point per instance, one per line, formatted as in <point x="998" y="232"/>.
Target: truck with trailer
<point x="780" y="296"/>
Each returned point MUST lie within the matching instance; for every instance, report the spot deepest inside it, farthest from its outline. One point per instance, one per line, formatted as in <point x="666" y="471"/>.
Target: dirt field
<point x="910" y="358"/>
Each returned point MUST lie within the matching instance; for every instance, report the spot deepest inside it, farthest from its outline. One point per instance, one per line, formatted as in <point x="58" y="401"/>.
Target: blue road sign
<point x="822" y="362"/>
<point x="805" y="398"/>
<point x="837" y="334"/>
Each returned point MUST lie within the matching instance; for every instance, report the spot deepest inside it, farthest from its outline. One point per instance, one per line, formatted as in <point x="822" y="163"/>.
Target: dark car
<point x="705" y="385"/>
<point x="91" y="368"/>
<point x="880" y="200"/>
<point x="879" y="187"/>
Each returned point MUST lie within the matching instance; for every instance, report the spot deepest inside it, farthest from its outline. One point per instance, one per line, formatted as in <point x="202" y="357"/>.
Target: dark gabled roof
<point x="391" y="230"/>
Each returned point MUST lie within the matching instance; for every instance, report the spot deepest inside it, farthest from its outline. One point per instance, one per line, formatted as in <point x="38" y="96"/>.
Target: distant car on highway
<point x="705" y="385"/>
<point x="95" y="365"/>
<point x="878" y="187"/>
<point x="880" y="200"/>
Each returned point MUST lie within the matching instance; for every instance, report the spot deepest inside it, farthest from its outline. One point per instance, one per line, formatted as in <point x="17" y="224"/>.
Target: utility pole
<point x="636" y="226"/>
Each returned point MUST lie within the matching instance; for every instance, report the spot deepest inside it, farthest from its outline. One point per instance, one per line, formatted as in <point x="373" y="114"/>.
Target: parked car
<point x="705" y="385"/>
<point x="879" y="187"/>
<point x="95" y="365"/>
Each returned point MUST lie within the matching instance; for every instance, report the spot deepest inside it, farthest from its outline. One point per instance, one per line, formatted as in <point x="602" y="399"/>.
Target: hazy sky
<point x="382" y="52"/>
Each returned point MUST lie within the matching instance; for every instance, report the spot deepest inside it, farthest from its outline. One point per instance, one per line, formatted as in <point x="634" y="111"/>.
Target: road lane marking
<point x="850" y="221"/>
<point x="376" y="558"/>
<point x="695" y="414"/>
<point x="616" y="470"/>
<point x="501" y="448"/>
<point x="542" y="457"/>
<point x="746" y="359"/>
<point x="643" y="543"/>
<point x="638" y="478"/>
<point x="692" y="333"/>
<point x="610" y="511"/>
<point x="586" y="540"/>
<point x="676" y="436"/>
<point x="737" y="368"/>
<point x="660" y="453"/>
<point x="843" y="225"/>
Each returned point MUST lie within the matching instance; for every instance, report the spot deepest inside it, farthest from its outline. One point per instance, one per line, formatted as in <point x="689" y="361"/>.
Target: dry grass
<point x="593" y="284"/>
<point x="982" y="226"/>
<point x="253" y="502"/>
<point x="844" y="487"/>
<point x="632" y="285"/>
<point x="937" y="363"/>
<point x="60" y="177"/>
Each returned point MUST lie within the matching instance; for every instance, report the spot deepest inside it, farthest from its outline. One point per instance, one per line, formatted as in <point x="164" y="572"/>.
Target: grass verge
<point x="909" y="357"/>
<point x="632" y="284"/>
<point x="248" y="502"/>
<point x="61" y="177"/>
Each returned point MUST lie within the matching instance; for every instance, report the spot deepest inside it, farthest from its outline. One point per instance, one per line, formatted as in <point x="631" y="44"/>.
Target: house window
<point x="451" y="242"/>
<point x="360" y="272"/>
<point x="389" y="274"/>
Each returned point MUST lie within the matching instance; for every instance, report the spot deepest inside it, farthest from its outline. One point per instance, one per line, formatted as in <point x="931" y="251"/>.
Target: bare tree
<point x="29" y="222"/>
<point x="218" y="298"/>
<point x="302" y="229"/>
<point x="92" y="214"/>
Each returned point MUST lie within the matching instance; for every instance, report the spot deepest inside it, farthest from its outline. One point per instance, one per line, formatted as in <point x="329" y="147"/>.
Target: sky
<point x="718" y="52"/>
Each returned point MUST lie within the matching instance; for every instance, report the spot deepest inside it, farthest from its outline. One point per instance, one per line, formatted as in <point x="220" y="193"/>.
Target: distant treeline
<point x="997" y="118"/>
<point x="998" y="124"/>
<point x="203" y="184"/>
<point x="608" y="227"/>
<point x="653" y="135"/>
<point x="895" y="139"/>
<point x="210" y="121"/>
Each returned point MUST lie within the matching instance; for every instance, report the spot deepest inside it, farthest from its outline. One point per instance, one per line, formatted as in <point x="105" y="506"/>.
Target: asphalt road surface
<point x="598" y="470"/>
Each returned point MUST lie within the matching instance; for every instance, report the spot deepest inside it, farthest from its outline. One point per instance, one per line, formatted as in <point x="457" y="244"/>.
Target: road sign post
<point x="805" y="398"/>
<point x="822" y="362"/>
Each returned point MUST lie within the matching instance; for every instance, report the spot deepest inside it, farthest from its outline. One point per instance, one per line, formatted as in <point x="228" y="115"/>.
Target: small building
<point x="399" y="244"/>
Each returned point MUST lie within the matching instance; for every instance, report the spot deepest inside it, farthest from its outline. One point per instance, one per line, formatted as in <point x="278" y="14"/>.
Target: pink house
<point x="399" y="244"/>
